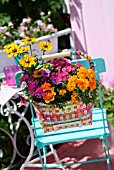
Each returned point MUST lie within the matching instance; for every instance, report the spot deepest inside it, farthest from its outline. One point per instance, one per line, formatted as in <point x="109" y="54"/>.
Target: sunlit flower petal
<point x="27" y="61"/>
<point x="46" y="46"/>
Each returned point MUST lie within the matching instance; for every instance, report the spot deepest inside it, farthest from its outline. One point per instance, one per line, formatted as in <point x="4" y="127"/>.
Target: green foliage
<point x="108" y="102"/>
<point x="19" y="9"/>
<point x="4" y="19"/>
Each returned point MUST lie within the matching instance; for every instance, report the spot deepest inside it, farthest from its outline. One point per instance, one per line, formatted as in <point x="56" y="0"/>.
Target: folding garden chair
<point x="98" y="129"/>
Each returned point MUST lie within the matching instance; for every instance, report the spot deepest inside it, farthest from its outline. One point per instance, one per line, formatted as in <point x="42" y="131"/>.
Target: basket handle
<point x="56" y="55"/>
<point x="67" y="54"/>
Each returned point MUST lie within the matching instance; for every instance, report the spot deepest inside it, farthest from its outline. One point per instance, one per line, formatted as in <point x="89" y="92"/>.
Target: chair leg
<point x="106" y="151"/>
<point x="108" y="155"/>
<point x="56" y="156"/>
<point x="40" y="156"/>
<point x="45" y="162"/>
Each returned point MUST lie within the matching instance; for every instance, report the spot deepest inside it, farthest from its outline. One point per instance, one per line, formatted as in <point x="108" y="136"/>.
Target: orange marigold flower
<point x="46" y="86"/>
<point x="49" y="96"/>
<point x="71" y="83"/>
<point x="72" y="79"/>
<point x="91" y="74"/>
<point x="75" y="97"/>
<point x="71" y="86"/>
<point x="62" y="92"/>
<point x="83" y="84"/>
<point x="82" y="72"/>
<point x="92" y="84"/>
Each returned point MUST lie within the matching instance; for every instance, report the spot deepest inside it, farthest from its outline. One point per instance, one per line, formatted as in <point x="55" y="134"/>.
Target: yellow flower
<point x="24" y="49"/>
<point x="73" y="79"/>
<point x="27" y="61"/>
<point x="28" y="40"/>
<point x="71" y="83"/>
<point x="12" y="50"/>
<point x="37" y="73"/>
<point x="71" y="86"/>
<point x="49" y="95"/>
<point x="62" y="92"/>
<point x="46" y="46"/>
<point x="82" y="72"/>
<point x="6" y="48"/>
<point x="83" y="84"/>
<point x="75" y="97"/>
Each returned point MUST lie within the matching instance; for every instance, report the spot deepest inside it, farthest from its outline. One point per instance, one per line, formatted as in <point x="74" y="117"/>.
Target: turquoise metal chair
<point x="98" y="129"/>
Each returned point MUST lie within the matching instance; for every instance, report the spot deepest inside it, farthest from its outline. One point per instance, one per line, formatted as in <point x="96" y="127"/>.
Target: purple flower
<point x="46" y="73"/>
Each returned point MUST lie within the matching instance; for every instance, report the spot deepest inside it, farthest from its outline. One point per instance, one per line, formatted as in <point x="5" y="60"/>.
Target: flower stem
<point x="30" y="49"/>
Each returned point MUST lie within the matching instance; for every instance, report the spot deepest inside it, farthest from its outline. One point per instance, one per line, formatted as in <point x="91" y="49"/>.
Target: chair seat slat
<point x="95" y="130"/>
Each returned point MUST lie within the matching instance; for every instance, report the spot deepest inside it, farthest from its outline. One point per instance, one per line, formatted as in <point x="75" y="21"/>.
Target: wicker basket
<point x="53" y="118"/>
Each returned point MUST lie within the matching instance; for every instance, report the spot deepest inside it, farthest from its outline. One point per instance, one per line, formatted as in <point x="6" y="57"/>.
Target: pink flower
<point x="40" y="23"/>
<point x="26" y="20"/>
<point x="24" y="77"/>
<point x="36" y="30"/>
<point x="38" y="92"/>
<point x="46" y="29"/>
<point x="8" y="34"/>
<point x="49" y="19"/>
<point x="22" y="102"/>
<point x="55" y="78"/>
<point x="28" y="32"/>
<point x="68" y="69"/>
<point x="50" y="26"/>
<point x="2" y="29"/>
<point x="23" y="28"/>
<point x="42" y="13"/>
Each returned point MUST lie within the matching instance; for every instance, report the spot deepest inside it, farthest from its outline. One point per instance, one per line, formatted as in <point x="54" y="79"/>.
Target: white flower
<point x="10" y="24"/>
<point x="26" y="20"/>
<point x="22" y="34"/>
<point x="49" y="12"/>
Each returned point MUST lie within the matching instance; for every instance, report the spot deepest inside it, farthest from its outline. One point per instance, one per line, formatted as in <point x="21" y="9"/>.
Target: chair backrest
<point x="99" y="64"/>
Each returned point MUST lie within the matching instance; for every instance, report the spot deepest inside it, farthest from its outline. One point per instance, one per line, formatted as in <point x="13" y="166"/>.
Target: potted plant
<point x="57" y="88"/>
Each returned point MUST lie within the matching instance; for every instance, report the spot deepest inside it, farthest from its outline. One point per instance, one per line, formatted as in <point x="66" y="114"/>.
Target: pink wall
<point x="93" y="24"/>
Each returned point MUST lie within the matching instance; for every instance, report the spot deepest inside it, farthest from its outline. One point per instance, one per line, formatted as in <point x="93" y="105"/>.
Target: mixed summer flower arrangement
<point x="56" y="81"/>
